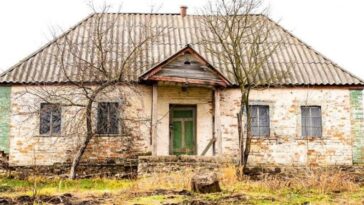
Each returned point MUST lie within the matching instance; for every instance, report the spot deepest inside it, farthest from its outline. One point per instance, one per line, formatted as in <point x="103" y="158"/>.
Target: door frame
<point x="192" y="107"/>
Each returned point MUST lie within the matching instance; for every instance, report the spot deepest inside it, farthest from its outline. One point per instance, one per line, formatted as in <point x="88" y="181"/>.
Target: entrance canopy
<point x="187" y="67"/>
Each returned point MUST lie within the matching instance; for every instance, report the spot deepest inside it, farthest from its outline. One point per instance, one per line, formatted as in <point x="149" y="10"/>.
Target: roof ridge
<point x="138" y="13"/>
<point x="314" y="50"/>
<point x="167" y="13"/>
<point x="46" y="45"/>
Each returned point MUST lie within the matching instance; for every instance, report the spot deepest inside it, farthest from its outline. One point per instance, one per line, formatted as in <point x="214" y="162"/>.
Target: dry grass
<point x="172" y="180"/>
<point x="321" y="185"/>
<point x="228" y="175"/>
<point x="325" y="186"/>
<point x="321" y="181"/>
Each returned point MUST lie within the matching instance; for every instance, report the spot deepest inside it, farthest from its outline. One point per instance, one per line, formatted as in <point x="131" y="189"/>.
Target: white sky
<point x="333" y="27"/>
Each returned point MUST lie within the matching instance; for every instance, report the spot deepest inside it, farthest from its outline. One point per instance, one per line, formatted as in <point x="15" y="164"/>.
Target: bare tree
<point x="242" y="38"/>
<point x="92" y="65"/>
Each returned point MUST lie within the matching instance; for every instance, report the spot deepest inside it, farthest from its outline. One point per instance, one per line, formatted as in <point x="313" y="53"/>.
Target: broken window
<point x="50" y="119"/>
<point x="108" y="118"/>
<point x="311" y="121"/>
<point x="259" y="115"/>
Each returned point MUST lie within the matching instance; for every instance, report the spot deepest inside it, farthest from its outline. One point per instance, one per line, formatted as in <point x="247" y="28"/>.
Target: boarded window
<point x="50" y="119"/>
<point x="311" y="121"/>
<point x="108" y="118"/>
<point x="259" y="120"/>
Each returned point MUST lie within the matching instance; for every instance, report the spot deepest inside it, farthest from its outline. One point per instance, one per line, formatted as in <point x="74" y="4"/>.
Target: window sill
<point x="51" y="135"/>
<point x="108" y="135"/>
<point x="310" y="138"/>
<point x="264" y="138"/>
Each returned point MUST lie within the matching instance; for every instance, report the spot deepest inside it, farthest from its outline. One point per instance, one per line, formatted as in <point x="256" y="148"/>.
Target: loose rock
<point x="205" y="182"/>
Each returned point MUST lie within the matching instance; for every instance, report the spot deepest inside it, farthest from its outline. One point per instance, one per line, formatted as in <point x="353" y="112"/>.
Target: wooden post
<point x="217" y="122"/>
<point x="154" y="119"/>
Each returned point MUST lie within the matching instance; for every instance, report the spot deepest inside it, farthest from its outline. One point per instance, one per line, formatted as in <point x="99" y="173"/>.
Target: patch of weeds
<point x="211" y="196"/>
<point x="15" y="183"/>
<point x="95" y="184"/>
<point x="6" y="188"/>
<point x="14" y="187"/>
<point x="263" y="201"/>
<point x="350" y="197"/>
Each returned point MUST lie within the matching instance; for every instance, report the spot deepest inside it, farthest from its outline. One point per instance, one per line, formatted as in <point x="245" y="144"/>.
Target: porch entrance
<point x="182" y="128"/>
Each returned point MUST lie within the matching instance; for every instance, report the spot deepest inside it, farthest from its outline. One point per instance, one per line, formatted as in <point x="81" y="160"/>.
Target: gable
<point x="186" y="66"/>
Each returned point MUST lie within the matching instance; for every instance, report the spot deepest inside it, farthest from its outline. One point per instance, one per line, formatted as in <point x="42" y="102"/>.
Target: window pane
<point x="263" y="116"/>
<point x="253" y="110"/>
<point x="315" y="112"/>
<point x="264" y="120"/>
<point x="45" y="118"/>
<point x="50" y="119"/>
<point x="108" y="118"/>
<point x="177" y="139"/>
<point x="305" y="111"/>
<point x="182" y="113"/>
<point x="113" y="118"/>
<point x="56" y="119"/>
<point x="316" y="122"/>
<point x="311" y="121"/>
<point x="255" y="131"/>
<point x="260" y="120"/>
<point x="305" y="126"/>
<point x="102" y="121"/>
<point x="264" y="131"/>
<point x="316" y="131"/>
<point x="254" y="120"/>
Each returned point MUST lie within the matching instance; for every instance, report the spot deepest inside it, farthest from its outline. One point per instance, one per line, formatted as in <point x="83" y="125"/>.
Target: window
<point x="50" y="119"/>
<point x="108" y="118"/>
<point x="311" y="121"/>
<point x="259" y="120"/>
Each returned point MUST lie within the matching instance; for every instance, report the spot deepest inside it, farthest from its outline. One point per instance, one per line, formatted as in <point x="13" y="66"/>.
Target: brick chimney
<point x="183" y="11"/>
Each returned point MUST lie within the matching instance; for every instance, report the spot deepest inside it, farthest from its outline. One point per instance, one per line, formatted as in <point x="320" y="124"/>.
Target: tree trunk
<point x="241" y="137"/>
<point x="89" y="132"/>
<point x="82" y="149"/>
<point x="248" y="130"/>
<point x="244" y="143"/>
<point x="241" y="143"/>
<point x="78" y="156"/>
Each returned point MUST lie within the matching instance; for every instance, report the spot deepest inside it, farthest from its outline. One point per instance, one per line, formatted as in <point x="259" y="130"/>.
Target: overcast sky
<point x="333" y="27"/>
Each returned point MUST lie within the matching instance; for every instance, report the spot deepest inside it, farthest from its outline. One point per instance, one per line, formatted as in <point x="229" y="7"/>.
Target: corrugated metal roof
<point x="305" y="65"/>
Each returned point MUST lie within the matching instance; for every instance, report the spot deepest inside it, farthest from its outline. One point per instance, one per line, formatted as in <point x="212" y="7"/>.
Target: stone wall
<point x="28" y="147"/>
<point x="145" y="166"/>
<point x="166" y="164"/>
<point x="357" y="125"/>
<point x="126" y="168"/>
<point x="285" y="146"/>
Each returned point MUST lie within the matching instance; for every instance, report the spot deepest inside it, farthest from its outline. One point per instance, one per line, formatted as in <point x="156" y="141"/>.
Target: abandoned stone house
<point x="314" y="117"/>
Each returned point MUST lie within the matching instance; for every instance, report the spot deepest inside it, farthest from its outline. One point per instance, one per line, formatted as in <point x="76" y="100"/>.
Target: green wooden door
<point x="183" y="140"/>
